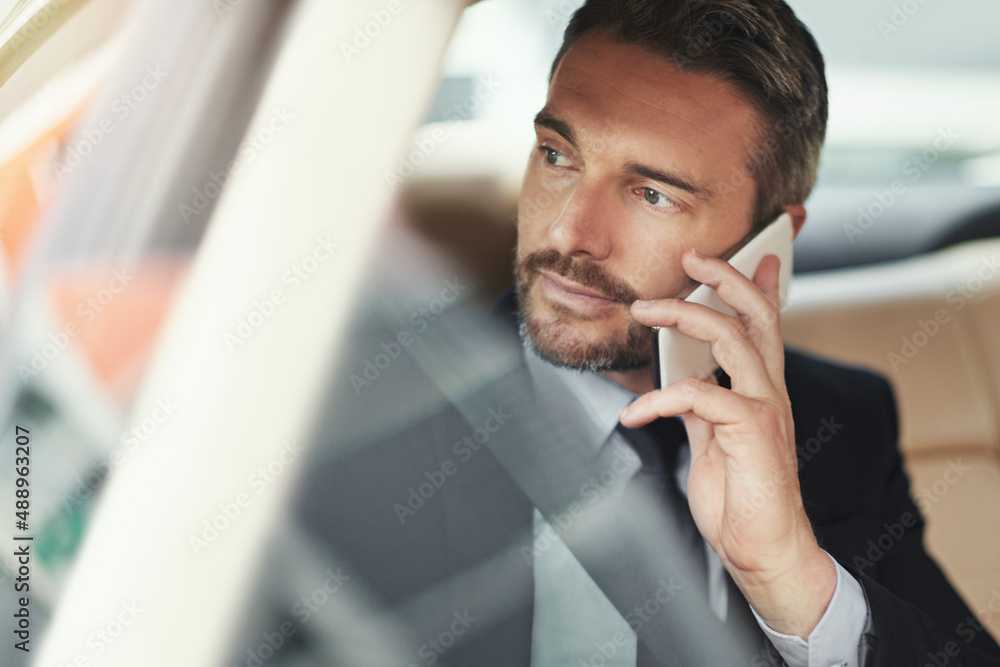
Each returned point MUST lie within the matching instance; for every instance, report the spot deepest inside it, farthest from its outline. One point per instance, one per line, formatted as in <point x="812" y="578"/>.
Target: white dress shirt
<point x="576" y="625"/>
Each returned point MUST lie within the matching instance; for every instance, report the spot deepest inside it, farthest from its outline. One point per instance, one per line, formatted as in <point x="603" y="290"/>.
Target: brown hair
<point x="757" y="46"/>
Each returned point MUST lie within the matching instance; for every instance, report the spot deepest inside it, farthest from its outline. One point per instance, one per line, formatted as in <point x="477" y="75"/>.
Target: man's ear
<point x="798" y="213"/>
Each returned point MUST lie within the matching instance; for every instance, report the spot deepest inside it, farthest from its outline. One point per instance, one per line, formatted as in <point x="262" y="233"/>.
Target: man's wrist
<point x="792" y="601"/>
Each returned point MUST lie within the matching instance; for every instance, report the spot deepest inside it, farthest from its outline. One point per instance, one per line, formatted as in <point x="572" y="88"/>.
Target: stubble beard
<point x="557" y="338"/>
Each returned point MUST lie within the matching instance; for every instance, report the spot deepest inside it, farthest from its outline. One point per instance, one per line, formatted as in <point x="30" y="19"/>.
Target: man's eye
<point x="554" y="157"/>
<point x="657" y="199"/>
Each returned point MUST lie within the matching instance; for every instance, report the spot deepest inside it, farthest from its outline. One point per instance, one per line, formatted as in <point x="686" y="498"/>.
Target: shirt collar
<point x="601" y="398"/>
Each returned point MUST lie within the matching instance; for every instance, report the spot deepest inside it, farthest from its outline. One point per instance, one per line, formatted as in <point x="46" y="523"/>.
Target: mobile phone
<point x="677" y="356"/>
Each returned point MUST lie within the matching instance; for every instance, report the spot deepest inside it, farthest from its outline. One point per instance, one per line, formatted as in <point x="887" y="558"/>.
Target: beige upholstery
<point x="932" y="324"/>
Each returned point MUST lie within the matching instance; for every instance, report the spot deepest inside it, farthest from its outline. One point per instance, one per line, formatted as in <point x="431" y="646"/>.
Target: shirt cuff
<point x="836" y="639"/>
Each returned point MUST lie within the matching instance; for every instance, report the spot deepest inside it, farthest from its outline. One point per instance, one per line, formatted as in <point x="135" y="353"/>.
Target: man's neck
<point x="638" y="381"/>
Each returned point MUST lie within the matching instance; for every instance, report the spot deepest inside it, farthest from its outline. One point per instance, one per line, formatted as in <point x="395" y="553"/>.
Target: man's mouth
<point x="562" y="290"/>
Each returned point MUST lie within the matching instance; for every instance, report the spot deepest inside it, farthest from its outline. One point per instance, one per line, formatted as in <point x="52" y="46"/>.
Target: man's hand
<point x="743" y="486"/>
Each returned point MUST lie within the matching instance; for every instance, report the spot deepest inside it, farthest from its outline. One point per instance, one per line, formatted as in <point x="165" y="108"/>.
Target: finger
<point x="732" y="346"/>
<point x="756" y="305"/>
<point x="732" y="286"/>
<point x="705" y="400"/>
<point x="699" y="431"/>
<point x="767" y="277"/>
<point x="768" y="280"/>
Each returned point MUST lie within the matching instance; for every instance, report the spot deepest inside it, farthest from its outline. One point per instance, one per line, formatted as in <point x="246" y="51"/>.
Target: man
<point x="652" y="159"/>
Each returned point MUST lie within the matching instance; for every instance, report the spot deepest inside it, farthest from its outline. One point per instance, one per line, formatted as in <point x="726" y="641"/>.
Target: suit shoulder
<point x="808" y="372"/>
<point x="820" y="387"/>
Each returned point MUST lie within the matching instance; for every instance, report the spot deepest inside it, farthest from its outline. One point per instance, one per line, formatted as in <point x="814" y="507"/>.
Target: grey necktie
<point x="657" y="444"/>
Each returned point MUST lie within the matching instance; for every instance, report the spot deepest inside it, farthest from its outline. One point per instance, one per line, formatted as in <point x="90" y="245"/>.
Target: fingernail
<point x="697" y="254"/>
<point x="642" y="304"/>
<point x="624" y="413"/>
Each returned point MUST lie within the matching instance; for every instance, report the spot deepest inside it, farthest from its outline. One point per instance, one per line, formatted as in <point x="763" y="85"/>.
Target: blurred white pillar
<point x="319" y="180"/>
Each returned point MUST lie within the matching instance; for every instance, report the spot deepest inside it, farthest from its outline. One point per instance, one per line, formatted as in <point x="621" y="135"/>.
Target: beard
<point x="557" y="338"/>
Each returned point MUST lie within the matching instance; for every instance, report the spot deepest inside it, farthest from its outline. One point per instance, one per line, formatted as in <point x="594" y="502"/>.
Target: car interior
<point x="216" y="226"/>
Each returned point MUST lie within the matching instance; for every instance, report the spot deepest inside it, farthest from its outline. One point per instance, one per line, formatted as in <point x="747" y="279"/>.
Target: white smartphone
<point x="677" y="356"/>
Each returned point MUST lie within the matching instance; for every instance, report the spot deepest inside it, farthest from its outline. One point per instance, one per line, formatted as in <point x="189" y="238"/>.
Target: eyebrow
<point x="670" y="178"/>
<point x="546" y="119"/>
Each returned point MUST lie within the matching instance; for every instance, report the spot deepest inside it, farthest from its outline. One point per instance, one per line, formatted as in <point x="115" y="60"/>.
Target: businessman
<point x="624" y="525"/>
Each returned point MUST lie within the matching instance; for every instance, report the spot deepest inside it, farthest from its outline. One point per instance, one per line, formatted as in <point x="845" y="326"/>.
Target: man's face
<point x="635" y="163"/>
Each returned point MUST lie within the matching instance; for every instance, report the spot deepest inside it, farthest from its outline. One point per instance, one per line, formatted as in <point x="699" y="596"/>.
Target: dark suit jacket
<point x="436" y="520"/>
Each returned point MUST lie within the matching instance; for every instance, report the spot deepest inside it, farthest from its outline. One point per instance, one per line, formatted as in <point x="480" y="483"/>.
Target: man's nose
<point x="581" y="228"/>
